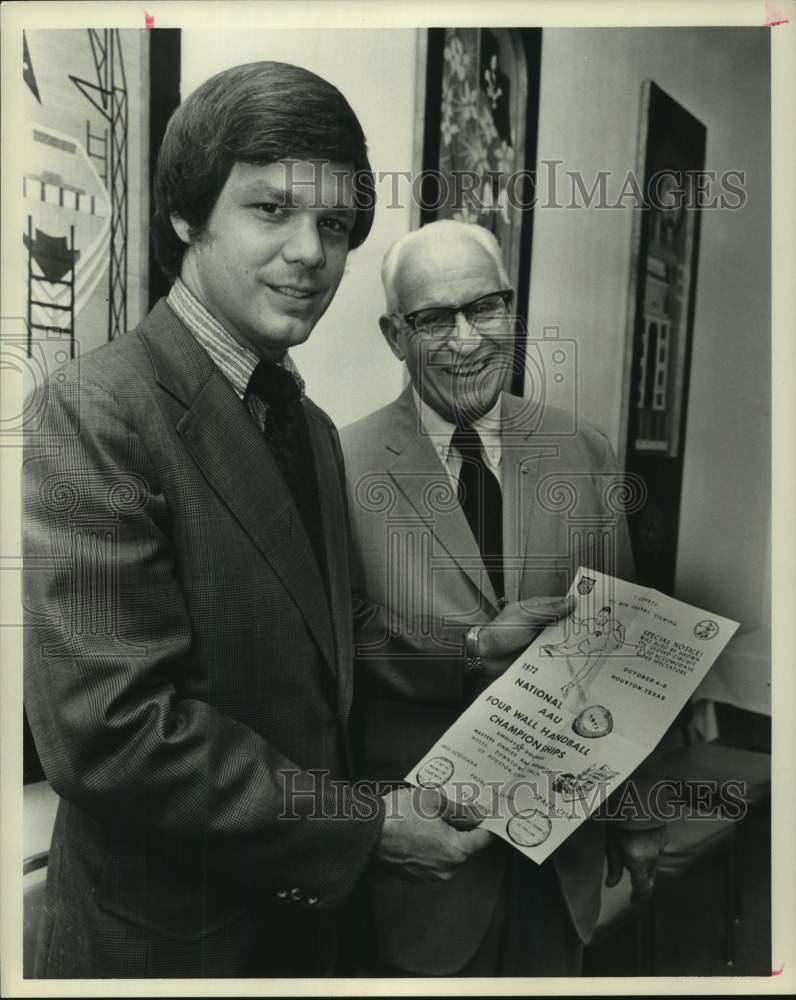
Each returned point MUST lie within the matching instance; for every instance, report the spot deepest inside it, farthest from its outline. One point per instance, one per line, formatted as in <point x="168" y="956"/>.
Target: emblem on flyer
<point x="706" y="629"/>
<point x="529" y="828"/>
<point x="593" y="722"/>
<point x="435" y="772"/>
<point x="586" y="584"/>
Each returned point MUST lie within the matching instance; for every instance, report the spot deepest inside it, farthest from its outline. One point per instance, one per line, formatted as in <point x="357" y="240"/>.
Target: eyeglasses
<point x="483" y="314"/>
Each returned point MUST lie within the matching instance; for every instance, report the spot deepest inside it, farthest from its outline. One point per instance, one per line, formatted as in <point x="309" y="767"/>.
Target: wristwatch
<point x="473" y="664"/>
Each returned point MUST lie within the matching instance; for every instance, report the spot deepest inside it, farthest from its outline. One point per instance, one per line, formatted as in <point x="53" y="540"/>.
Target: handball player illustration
<point x="600" y="636"/>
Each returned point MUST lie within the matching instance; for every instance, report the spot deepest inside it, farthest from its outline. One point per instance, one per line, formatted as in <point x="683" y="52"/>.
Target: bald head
<point x="438" y="252"/>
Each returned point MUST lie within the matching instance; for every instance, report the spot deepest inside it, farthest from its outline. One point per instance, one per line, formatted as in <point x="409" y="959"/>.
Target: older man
<point x="189" y="609"/>
<point x="450" y="518"/>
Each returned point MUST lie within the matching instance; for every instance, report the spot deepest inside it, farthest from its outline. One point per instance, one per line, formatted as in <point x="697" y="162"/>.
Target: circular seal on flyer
<point x="435" y="772"/>
<point x="706" y="629"/>
<point x="593" y="721"/>
<point x="529" y="828"/>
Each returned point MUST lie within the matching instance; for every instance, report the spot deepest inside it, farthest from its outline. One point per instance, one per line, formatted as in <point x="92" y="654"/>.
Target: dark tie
<point x="482" y="503"/>
<point x="288" y="437"/>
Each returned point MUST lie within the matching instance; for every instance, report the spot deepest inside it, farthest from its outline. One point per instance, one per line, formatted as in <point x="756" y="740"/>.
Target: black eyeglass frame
<point x="506" y="294"/>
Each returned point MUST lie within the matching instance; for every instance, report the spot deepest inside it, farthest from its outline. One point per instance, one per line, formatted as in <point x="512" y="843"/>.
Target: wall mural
<point x="84" y="162"/>
<point x="83" y="245"/>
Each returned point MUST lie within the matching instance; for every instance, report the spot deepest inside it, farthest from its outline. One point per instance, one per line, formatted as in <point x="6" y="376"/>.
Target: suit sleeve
<point x="108" y="640"/>
<point x="418" y="661"/>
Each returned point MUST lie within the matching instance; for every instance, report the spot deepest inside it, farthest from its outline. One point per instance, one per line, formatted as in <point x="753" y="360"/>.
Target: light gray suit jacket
<point x="417" y="555"/>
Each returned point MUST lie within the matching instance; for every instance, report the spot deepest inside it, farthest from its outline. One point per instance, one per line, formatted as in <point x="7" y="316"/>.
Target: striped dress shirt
<point x="236" y="362"/>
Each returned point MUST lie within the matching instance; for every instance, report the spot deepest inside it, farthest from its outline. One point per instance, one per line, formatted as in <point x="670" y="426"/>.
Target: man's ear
<point x="392" y="335"/>
<point x="181" y="228"/>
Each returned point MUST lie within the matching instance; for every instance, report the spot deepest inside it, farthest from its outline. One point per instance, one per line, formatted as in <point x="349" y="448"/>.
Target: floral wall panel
<point x="481" y="110"/>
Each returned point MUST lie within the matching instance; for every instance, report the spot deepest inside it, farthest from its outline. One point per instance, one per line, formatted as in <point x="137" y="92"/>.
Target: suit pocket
<point x="159" y="896"/>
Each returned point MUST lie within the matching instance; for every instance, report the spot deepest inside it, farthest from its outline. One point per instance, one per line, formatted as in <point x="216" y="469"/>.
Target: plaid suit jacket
<point x="187" y="678"/>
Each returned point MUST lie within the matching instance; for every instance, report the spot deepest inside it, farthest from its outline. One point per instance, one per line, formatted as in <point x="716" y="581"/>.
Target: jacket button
<point x="281" y="893"/>
<point x="296" y="894"/>
<point x="313" y="900"/>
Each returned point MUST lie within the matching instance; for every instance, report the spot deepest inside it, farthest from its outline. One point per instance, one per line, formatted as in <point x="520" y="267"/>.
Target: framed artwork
<point x="478" y="95"/>
<point x="660" y="324"/>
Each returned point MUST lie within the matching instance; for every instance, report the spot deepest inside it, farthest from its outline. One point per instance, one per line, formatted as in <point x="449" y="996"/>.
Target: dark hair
<point x="256" y="113"/>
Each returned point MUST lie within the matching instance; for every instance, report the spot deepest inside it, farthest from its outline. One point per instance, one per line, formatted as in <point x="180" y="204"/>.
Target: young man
<point x="478" y="516"/>
<point x="189" y="611"/>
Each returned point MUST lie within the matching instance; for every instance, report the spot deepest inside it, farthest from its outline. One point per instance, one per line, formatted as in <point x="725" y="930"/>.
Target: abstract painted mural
<point x="84" y="184"/>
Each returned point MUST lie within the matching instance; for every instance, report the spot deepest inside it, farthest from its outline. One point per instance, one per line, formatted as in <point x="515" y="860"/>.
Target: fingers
<point x="536" y="611"/>
<point x="551" y="609"/>
<point x="474" y="840"/>
<point x="428" y="802"/>
<point x="459" y="845"/>
<point x="642" y="879"/>
<point x="461" y="815"/>
<point x="416" y="842"/>
<point x="519" y="623"/>
<point x="451" y="851"/>
<point x="614" y="858"/>
<point x="648" y="869"/>
<point x="638" y="852"/>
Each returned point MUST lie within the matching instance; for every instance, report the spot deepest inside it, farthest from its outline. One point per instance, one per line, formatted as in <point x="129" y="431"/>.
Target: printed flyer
<point x="545" y="744"/>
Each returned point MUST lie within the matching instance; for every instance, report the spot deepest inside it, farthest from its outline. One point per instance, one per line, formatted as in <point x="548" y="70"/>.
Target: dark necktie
<point x="288" y="437"/>
<point x="482" y="503"/>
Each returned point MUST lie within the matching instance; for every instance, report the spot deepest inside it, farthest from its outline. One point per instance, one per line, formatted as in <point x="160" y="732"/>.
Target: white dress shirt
<point x="439" y="432"/>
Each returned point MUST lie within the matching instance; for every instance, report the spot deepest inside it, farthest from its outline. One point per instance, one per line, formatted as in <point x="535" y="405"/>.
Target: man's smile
<point x="466" y="369"/>
<point x="296" y="291"/>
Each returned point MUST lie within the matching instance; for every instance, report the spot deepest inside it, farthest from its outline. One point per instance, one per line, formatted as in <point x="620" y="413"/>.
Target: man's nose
<point x="463" y="335"/>
<point x="304" y="244"/>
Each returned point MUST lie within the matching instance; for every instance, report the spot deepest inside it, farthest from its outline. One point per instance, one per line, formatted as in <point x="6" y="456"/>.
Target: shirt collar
<point x="235" y="361"/>
<point x="440" y="431"/>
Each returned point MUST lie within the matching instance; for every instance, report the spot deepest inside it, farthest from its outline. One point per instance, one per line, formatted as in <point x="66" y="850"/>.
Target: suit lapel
<point x="522" y="467"/>
<point x="417" y="471"/>
<point x="230" y="451"/>
<point x="336" y="542"/>
<point x="513" y="508"/>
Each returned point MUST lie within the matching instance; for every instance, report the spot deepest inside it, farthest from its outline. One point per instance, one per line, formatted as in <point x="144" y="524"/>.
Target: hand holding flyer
<point x="543" y="746"/>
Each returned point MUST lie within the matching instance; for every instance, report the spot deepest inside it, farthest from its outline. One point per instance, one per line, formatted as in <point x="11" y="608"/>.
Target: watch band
<point x="473" y="664"/>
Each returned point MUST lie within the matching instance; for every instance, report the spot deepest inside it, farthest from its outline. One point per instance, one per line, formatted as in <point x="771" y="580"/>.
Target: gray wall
<point x="590" y="88"/>
<point x="589" y="102"/>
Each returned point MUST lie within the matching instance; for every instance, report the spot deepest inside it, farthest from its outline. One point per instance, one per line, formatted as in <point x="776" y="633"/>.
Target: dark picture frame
<point x="478" y="112"/>
<point x="660" y="325"/>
